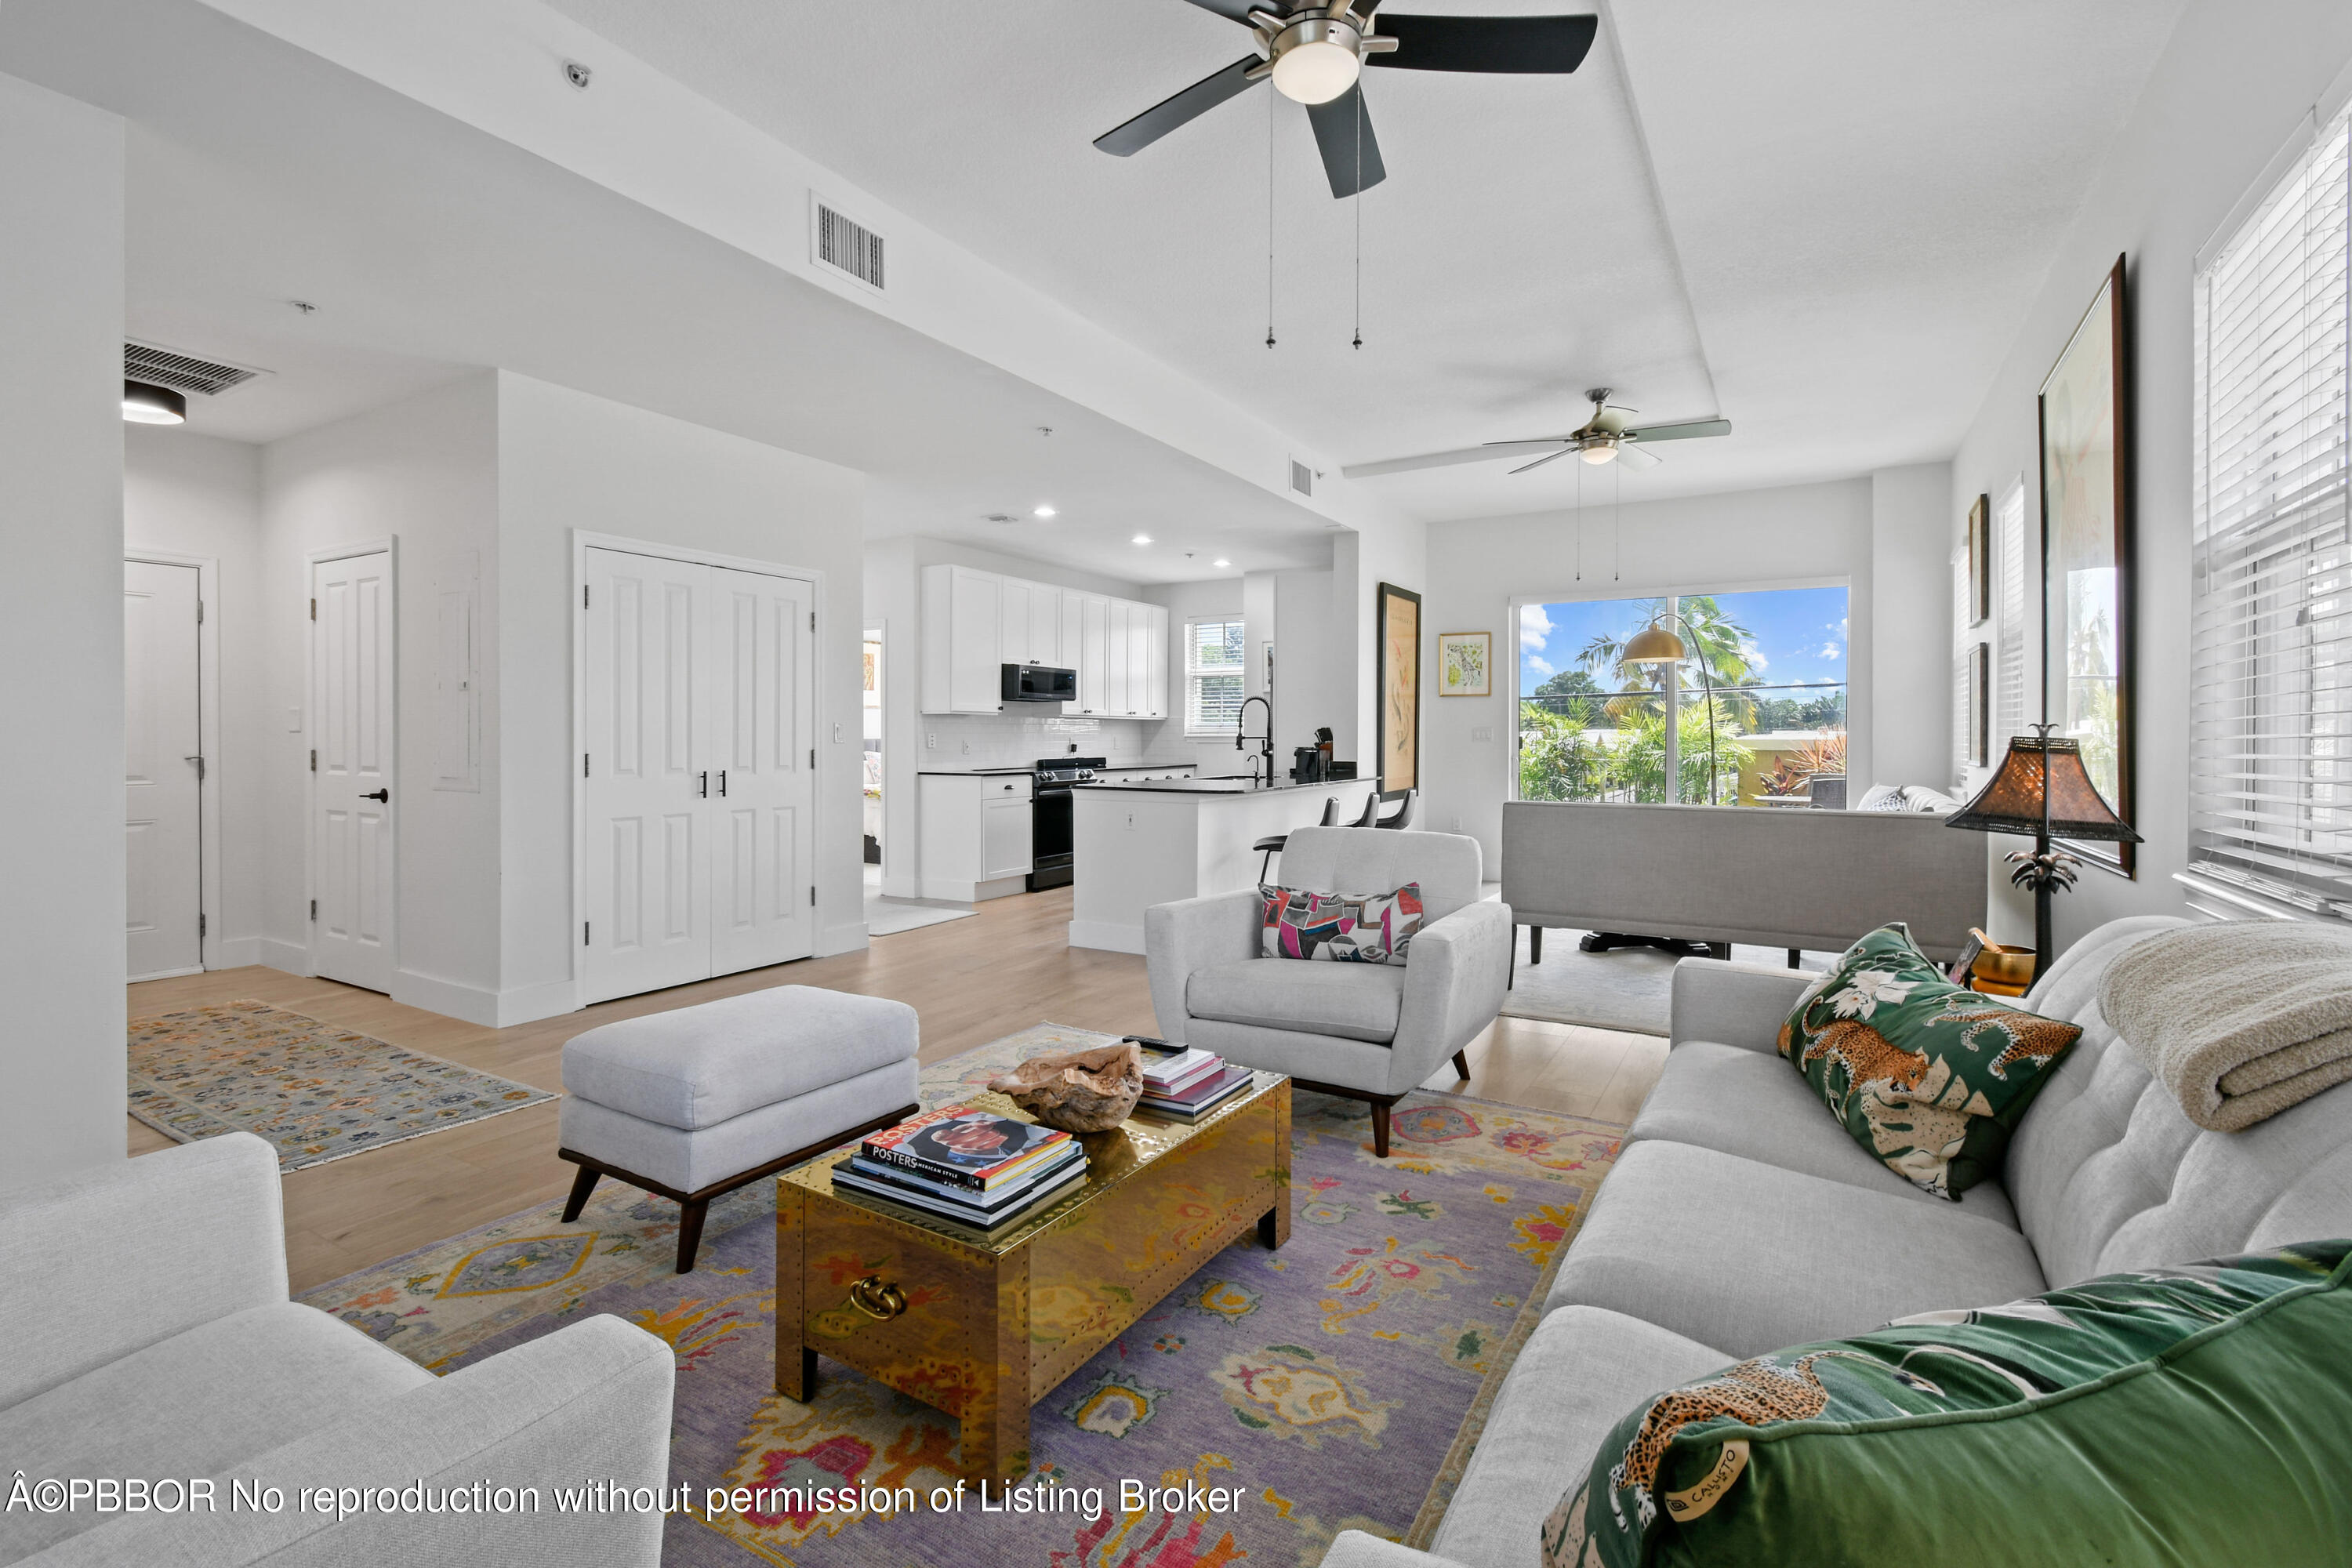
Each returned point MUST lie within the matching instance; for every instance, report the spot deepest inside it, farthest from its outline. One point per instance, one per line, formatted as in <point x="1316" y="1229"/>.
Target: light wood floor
<point x="973" y="981"/>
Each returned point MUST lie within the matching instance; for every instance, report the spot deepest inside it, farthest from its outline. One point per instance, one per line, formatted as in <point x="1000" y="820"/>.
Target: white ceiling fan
<point x="1603" y="438"/>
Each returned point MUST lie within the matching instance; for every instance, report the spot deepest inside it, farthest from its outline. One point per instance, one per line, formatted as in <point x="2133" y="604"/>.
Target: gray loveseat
<point x="1813" y="880"/>
<point x="1741" y="1219"/>
<point x="150" y="1336"/>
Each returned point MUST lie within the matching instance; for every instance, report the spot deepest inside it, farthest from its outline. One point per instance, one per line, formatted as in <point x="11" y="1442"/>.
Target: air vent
<point x="182" y="372"/>
<point x="1302" y="477"/>
<point x="848" y="246"/>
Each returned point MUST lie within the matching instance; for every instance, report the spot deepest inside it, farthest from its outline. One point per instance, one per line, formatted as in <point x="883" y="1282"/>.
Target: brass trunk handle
<point x="877" y="1300"/>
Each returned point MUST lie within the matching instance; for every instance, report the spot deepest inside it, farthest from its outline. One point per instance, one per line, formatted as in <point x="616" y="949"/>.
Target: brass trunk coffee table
<point x="985" y="1327"/>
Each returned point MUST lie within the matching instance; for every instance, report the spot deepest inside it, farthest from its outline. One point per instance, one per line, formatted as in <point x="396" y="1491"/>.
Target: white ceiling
<point x="1851" y="205"/>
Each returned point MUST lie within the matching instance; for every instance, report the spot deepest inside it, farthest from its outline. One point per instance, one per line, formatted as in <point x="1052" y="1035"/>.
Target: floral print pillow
<point x="1345" y="928"/>
<point x="1930" y="1077"/>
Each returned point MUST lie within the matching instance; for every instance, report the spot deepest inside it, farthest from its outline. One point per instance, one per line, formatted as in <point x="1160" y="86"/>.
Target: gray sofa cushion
<point x="1352" y="1001"/>
<point x="194" y="1404"/>
<point x="1579" y="1372"/>
<point x="1446" y="865"/>
<point x="1750" y="1258"/>
<point x="1743" y="1102"/>
<point x="696" y="1067"/>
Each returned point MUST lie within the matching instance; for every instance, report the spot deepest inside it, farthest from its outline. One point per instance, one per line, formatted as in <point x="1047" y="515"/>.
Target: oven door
<point x="1049" y="833"/>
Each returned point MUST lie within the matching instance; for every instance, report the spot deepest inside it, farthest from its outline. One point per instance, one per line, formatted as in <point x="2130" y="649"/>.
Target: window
<point x="1213" y="678"/>
<point x="2271" y="718"/>
<point x="2012" y="617"/>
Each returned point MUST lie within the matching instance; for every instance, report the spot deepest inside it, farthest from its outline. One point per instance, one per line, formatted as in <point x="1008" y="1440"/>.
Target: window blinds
<point x="2271" y="718"/>
<point x="1213" y="678"/>
<point x="2010" y="617"/>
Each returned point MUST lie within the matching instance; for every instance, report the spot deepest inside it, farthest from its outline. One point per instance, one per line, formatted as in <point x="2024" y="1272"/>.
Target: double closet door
<point x="698" y="755"/>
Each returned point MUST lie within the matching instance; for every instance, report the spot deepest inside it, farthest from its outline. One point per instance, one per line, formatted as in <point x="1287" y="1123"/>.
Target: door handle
<point x="722" y="781"/>
<point x="383" y="795"/>
<point x="702" y="786"/>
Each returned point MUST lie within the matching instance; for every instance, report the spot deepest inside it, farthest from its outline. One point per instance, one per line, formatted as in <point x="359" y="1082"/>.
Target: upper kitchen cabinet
<point x="1033" y="625"/>
<point x="963" y="625"/>
<point x="975" y="623"/>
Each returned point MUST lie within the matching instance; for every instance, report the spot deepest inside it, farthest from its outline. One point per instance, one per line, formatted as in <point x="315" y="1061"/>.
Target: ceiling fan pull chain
<point x="1358" y="203"/>
<point x="1579" y="523"/>
<point x="1269" y="219"/>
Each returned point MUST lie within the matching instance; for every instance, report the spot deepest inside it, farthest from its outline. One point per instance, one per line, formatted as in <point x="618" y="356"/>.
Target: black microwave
<point x="1039" y="683"/>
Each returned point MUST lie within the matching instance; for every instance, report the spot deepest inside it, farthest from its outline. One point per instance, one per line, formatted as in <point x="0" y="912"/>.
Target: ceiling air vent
<point x="182" y="372"/>
<point x="1302" y="477"/>
<point x="846" y="246"/>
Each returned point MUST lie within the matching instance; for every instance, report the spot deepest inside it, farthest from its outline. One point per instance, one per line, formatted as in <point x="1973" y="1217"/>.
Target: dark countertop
<point x="969" y="772"/>
<point x="1236" y="784"/>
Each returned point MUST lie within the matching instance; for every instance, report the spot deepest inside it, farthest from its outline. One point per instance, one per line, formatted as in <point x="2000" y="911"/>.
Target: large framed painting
<point x="2086" y="553"/>
<point x="1397" y="725"/>
<point x="1463" y="664"/>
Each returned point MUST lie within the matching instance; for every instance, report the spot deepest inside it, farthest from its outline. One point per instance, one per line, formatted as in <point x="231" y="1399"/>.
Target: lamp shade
<point x="2014" y="801"/>
<point x="1653" y="645"/>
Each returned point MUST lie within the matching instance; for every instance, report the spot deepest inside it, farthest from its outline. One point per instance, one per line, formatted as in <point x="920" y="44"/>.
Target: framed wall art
<point x="2086" y="553"/>
<point x="1466" y="664"/>
<point x="1981" y="561"/>
<point x="1397" y="723"/>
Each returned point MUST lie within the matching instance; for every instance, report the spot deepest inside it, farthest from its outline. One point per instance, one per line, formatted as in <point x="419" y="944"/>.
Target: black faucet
<point x="1239" y="720"/>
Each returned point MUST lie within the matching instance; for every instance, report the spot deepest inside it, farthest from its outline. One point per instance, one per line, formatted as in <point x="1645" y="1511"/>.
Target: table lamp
<point x="2042" y="789"/>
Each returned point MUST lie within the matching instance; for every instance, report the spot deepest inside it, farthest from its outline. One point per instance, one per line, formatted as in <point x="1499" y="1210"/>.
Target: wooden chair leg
<point x="1462" y="1066"/>
<point x="582" y="1185"/>
<point x="1379" y="1131"/>
<point x="1792" y="959"/>
<point x="689" y="1231"/>
<point x="1535" y="945"/>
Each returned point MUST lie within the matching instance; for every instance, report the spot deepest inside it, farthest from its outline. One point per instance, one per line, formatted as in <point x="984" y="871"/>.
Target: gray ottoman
<point x="697" y="1102"/>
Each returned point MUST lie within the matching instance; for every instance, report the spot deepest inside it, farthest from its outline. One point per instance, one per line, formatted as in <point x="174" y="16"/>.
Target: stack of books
<point x="966" y="1165"/>
<point x="1184" y="1084"/>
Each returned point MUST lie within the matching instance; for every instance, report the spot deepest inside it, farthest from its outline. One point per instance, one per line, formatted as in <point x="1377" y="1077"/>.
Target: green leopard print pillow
<point x="2193" y="1414"/>
<point x="1930" y="1077"/>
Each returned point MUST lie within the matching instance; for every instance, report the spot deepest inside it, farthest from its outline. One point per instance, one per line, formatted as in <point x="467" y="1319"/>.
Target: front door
<point x="351" y="701"/>
<point x="163" y="770"/>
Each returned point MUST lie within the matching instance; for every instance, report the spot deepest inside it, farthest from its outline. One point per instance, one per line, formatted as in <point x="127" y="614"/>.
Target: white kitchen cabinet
<point x="962" y="641"/>
<point x="1119" y="693"/>
<point x="1032" y="624"/>
<point x="1139" y="700"/>
<point x="974" y="835"/>
<point x="1093" y="631"/>
<point x="1160" y="625"/>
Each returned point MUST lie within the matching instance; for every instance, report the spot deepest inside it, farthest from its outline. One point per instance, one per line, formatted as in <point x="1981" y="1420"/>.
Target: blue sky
<point x="1799" y="633"/>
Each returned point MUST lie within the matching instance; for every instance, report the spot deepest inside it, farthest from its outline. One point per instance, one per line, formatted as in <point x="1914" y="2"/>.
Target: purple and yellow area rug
<point x="1325" y="1382"/>
<point x="315" y="1092"/>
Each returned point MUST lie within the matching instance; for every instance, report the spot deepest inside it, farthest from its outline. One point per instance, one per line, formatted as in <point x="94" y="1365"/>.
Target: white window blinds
<point x="2271" y="733"/>
<point x="2009" y="616"/>
<point x="1213" y="678"/>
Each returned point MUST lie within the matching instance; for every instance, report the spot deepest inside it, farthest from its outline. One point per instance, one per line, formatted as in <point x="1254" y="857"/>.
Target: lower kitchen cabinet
<point x="974" y="835"/>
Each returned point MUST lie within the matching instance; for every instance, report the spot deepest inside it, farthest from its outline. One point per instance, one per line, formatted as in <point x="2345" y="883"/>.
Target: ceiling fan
<point x="1603" y="439"/>
<point x="1313" y="53"/>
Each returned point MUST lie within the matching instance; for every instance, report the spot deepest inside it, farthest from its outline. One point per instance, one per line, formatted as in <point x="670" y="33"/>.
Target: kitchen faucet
<point x="1240" y="721"/>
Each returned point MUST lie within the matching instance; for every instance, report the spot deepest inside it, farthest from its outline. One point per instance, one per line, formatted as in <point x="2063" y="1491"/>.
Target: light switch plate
<point x="1481" y="733"/>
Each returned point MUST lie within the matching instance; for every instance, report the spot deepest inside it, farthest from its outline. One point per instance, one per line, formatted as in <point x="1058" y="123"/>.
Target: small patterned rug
<point x="1337" y="1383"/>
<point x="315" y="1092"/>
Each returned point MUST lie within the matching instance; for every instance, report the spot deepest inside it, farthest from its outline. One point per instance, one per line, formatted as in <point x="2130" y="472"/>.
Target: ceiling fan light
<point x="144" y="403"/>
<point x="1599" y="451"/>
<point x="1316" y="69"/>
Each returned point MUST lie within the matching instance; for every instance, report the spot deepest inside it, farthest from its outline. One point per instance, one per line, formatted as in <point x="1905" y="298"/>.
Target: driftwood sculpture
<point x="1077" y="1092"/>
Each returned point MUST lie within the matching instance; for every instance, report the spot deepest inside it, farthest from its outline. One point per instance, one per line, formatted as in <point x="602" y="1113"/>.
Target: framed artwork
<point x="1981" y="705"/>
<point x="1466" y="664"/>
<point x="2086" y="555"/>
<point x="1981" y="561"/>
<point x="1397" y="723"/>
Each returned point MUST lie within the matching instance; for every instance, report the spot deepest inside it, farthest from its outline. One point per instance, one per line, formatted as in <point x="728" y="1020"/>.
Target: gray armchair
<point x="150" y="1338"/>
<point x="1369" y="1031"/>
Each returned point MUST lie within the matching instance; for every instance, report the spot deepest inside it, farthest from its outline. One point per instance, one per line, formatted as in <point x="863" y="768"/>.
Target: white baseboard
<point x="955" y="892"/>
<point x="529" y="1004"/>
<point x="450" y="998"/>
<point x="233" y="952"/>
<point x="161" y="974"/>
<point x="847" y="937"/>
<point x="902" y="887"/>
<point x="290" y="956"/>
<point x="1107" y="936"/>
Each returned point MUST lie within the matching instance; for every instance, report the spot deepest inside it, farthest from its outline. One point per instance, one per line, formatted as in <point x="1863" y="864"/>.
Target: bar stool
<point x="1371" y="812"/>
<point x="1404" y="812"/>
<point x="1273" y="842"/>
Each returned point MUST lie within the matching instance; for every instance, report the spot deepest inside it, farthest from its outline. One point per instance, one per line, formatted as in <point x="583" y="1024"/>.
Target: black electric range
<point x="1049" y="816"/>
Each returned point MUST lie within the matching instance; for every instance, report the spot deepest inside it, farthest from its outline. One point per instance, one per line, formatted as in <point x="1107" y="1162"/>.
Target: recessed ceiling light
<point x="1220" y="563"/>
<point x="1142" y="539"/>
<point x="1043" y="511"/>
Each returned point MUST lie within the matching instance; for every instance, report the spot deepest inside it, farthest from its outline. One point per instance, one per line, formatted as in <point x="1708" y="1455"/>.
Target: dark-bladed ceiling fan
<point x="1603" y="438"/>
<point x="1314" y="54"/>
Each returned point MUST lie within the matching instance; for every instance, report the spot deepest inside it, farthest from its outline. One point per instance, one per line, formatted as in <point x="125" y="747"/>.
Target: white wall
<point x="198" y="495"/>
<point x="423" y="471"/>
<point x="1215" y="599"/>
<point x="2221" y="102"/>
<point x="1797" y="535"/>
<point x="1308" y="659"/>
<point x="62" y="861"/>
<point x="568" y="460"/>
<point x="1911" y="633"/>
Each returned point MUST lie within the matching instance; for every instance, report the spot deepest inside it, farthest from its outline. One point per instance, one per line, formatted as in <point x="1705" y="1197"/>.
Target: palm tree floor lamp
<point x="2042" y="789"/>
<point x="1656" y="645"/>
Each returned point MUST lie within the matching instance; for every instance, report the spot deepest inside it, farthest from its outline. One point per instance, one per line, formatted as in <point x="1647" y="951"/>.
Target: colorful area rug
<point x="1325" y="1381"/>
<point x="315" y="1092"/>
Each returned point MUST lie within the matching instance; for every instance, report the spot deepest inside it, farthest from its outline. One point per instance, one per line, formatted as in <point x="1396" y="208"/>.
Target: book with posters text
<point x="965" y="1146"/>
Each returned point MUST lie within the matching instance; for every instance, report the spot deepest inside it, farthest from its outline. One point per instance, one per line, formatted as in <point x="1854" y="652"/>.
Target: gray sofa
<point x="150" y="1336"/>
<point x="1741" y="1219"/>
<point x="1742" y="874"/>
<point x="1373" y="1031"/>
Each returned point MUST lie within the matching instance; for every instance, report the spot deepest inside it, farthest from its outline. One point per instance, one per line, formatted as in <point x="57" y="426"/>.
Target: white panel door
<point x="762" y="770"/>
<point x="162" y="772"/>
<point x="644" y="874"/>
<point x="352" y="706"/>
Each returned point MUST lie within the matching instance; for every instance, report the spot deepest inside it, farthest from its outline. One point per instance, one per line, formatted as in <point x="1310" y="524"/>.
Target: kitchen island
<point x="1155" y="841"/>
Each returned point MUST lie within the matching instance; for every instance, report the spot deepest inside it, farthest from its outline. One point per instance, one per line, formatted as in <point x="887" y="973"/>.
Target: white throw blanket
<point x="2239" y="1021"/>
